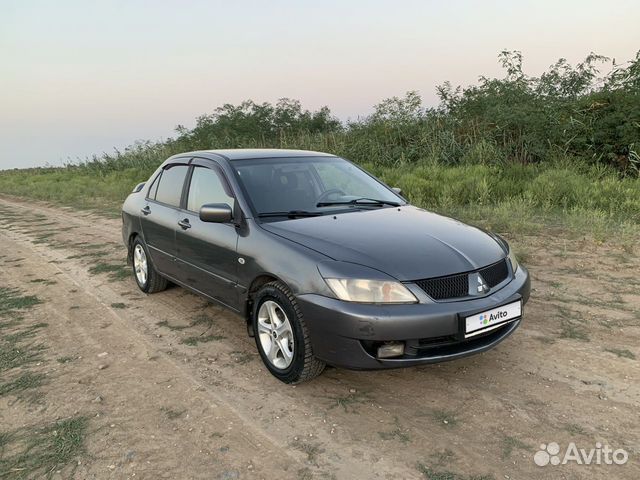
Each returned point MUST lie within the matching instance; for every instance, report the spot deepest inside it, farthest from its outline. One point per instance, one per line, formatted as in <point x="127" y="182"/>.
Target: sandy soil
<point x="174" y="388"/>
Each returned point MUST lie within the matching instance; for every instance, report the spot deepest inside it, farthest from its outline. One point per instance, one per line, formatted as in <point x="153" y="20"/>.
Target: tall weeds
<point x="568" y="140"/>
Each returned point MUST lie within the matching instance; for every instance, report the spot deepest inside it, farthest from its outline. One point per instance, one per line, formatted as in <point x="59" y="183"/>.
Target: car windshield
<point x="309" y="186"/>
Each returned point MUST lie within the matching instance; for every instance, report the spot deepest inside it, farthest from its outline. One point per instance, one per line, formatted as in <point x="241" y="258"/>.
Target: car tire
<point x="145" y="274"/>
<point x="299" y="365"/>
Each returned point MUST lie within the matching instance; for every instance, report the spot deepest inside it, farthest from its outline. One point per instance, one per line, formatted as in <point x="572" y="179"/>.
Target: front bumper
<point x="346" y="334"/>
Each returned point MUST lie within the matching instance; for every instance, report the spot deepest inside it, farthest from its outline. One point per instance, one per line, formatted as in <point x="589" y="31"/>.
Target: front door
<point x="160" y="216"/>
<point x="206" y="252"/>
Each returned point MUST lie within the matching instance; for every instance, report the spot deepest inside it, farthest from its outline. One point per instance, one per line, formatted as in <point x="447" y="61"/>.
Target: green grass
<point x="241" y="358"/>
<point x="97" y="254"/>
<point x="10" y="323"/>
<point x="202" y="319"/>
<point x="172" y="414"/>
<point x="350" y="402"/>
<point x="573" y="331"/>
<point x="42" y="237"/>
<point x="119" y="305"/>
<point x="195" y="340"/>
<point x="623" y="353"/>
<point x="43" y="281"/>
<point x="311" y="450"/>
<point x="21" y="384"/>
<point x="81" y="188"/>
<point x="14" y="260"/>
<point x="12" y="301"/>
<point x="443" y="457"/>
<point x="40" y="452"/>
<point x="432" y="474"/>
<point x="509" y="444"/>
<point x="165" y="323"/>
<point x="116" y="271"/>
<point x="518" y="198"/>
<point x="444" y="417"/>
<point x="25" y="333"/>
<point x="575" y="429"/>
<point x="15" y="351"/>
<point x="397" y="433"/>
<point x="17" y="348"/>
<point x="571" y="321"/>
<point x="94" y="246"/>
<point x="31" y="452"/>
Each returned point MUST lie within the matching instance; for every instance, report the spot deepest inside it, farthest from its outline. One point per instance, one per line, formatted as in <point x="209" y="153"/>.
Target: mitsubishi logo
<point x="482" y="286"/>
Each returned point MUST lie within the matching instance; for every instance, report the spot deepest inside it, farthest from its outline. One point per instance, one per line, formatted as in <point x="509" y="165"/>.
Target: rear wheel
<point x="282" y="337"/>
<point x="147" y="278"/>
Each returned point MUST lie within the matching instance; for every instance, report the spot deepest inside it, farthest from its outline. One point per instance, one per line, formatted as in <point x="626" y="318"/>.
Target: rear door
<point x="206" y="252"/>
<point x="160" y="216"/>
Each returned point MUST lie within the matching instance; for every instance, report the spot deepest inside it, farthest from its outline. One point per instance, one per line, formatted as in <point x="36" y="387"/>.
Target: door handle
<point x="184" y="224"/>
<point x="146" y="210"/>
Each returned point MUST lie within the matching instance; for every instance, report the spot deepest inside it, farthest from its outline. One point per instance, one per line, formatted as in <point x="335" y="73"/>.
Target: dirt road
<point x="172" y="387"/>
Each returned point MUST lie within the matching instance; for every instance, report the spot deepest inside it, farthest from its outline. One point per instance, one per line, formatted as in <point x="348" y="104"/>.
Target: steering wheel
<point x="328" y="193"/>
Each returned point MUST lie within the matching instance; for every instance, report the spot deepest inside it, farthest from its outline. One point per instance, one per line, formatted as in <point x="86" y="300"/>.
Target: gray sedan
<point x="326" y="264"/>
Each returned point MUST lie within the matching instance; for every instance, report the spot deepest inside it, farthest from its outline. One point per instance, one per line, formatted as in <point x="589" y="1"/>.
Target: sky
<point x="79" y="78"/>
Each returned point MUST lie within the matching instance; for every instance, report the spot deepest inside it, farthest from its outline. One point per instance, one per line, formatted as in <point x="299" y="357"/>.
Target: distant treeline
<point x="568" y="112"/>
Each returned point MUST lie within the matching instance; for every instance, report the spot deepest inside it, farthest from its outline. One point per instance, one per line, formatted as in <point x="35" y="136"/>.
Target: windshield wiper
<point x="290" y="214"/>
<point x="360" y="201"/>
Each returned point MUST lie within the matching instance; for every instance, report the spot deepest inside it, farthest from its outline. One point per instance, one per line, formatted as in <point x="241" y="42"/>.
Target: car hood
<point x="408" y="243"/>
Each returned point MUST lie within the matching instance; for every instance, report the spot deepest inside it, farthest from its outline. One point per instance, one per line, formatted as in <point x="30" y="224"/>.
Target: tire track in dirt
<point x="150" y="418"/>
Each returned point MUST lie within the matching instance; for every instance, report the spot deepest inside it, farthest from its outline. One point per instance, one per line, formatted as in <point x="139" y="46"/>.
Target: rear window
<point x="170" y="186"/>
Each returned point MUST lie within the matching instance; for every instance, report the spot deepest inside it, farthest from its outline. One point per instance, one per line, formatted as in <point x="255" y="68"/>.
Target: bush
<point x="565" y="141"/>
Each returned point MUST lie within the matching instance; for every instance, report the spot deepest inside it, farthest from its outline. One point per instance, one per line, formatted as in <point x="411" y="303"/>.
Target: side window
<point x="170" y="185"/>
<point x="207" y="187"/>
<point x="154" y="187"/>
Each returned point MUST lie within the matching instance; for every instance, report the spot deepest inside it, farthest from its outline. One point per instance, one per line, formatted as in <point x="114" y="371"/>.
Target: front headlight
<point x="370" y="291"/>
<point x="513" y="260"/>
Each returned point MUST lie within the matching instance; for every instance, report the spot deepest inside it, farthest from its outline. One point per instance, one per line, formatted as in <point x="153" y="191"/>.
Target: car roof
<point x="255" y="153"/>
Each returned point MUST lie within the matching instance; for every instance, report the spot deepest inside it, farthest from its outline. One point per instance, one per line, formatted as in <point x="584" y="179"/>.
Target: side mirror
<point x="216" y="213"/>
<point x="398" y="190"/>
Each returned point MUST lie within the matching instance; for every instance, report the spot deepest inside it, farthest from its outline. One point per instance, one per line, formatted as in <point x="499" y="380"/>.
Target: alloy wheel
<point x="276" y="334"/>
<point x="140" y="265"/>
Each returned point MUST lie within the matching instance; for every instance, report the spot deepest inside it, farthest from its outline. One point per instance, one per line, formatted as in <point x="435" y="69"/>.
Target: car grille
<point x="457" y="286"/>
<point x="453" y="286"/>
<point x="494" y="274"/>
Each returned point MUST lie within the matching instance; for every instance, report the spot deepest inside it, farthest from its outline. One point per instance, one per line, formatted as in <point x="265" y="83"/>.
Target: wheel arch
<point x="130" y="240"/>
<point x="256" y="284"/>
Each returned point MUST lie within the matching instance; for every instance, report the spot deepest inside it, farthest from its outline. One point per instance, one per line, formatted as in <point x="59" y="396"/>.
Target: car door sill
<point x="198" y="292"/>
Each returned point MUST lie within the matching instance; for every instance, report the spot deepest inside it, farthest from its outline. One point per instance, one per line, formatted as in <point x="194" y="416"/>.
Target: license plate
<point x="490" y="319"/>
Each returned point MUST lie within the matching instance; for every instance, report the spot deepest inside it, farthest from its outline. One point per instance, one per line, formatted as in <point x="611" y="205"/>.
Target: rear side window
<point x="207" y="187"/>
<point x="170" y="186"/>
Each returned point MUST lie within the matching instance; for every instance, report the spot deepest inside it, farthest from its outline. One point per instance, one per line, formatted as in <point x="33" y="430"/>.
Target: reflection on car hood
<point x="408" y="243"/>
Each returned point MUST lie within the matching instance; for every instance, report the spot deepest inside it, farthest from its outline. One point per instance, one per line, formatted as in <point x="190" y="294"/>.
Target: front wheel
<point x="282" y="337"/>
